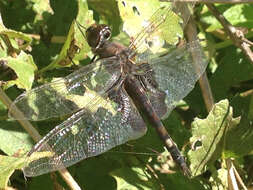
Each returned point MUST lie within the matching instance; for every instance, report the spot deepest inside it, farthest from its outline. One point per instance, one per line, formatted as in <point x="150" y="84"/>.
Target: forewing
<point x="102" y="125"/>
<point x="166" y="24"/>
<point x="177" y="71"/>
<point x="153" y="25"/>
<point x="69" y="94"/>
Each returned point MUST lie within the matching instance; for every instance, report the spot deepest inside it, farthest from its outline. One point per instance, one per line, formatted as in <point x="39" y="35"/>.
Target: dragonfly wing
<point x="102" y="125"/>
<point x="158" y="27"/>
<point x="67" y="95"/>
<point x="154" y="25"/>
<point x="155" y="96"/>
<point x="157" y="101"/>
<point x="177" y="72"/>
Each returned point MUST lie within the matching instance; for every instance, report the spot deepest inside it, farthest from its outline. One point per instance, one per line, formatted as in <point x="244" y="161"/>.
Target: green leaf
<point x="24" y="68"/>
<point x="239" y="140"/>
<point x="224" y="77"/>
<point x="237" y="15"/>
<point x="42" y="9"/>
<point x="85" y="18"/>
<point x="7" y="167"/>
<point x="219" y="179"/>
<point x="23" y="64"/>
<point x="108" y="13"/>
<point x="11" y="35"/>
<point x="42" y="182"/>
<point x="13" y="139"/>
<point x="136" y="14"/>
<point x="207" y="135"/>
<point x="75" y="40"/>
<point x="14" y="34"/>
<point x="134" y="178"/>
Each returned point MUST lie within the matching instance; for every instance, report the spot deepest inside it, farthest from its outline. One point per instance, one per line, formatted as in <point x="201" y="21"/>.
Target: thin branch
<point x="234" y="179"/>
<point x="229" y="42"/>
<point x="36" y="136"/>
<point x="53" y="39"/>
<point x="234" y="33"/>
<point x="238" y="178"/>
<point x="231" y="179"/>
<point x="212" y="1"/>
<point x="191" y="33"/>
<point x="17" y="114"/>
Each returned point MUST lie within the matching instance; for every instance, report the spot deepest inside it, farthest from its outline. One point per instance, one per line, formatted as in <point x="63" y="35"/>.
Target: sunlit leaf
<point x="207" y="135"/>
<point x="237" y="15"/>
<point x="42" y="9"/>
<point x="11" y="37"/>
<point x="24" y="68"/>
<point x="7" y="167"/>
<point x="219" y="179"/>
<point x="13" y="139"/>
<point x="75" y="46"/>
<point x="136" y="15"/>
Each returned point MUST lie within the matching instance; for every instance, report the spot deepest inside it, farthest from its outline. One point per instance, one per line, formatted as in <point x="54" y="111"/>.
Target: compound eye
<point x="107" y="34"/>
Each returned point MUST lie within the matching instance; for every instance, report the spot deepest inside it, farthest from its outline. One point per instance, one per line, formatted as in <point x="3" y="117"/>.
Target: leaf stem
<point x="212" y="1"/>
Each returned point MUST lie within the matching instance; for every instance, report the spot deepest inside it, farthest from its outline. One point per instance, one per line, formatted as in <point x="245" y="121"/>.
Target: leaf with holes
<point x="75" y="40"/>
<point x="137" y="14"/>
<point x="24" y="67"/>
<point x="207" y="136"/>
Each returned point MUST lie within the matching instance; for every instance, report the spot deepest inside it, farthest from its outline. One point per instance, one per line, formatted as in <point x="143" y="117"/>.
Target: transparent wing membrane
<point x="69" y="94"/>
<point x="171" y="75"/>
<point x="103" y="115"/>
<point x="167" y="22"/>
<point x="99" y="127"/>
<point x="177" y="71"/>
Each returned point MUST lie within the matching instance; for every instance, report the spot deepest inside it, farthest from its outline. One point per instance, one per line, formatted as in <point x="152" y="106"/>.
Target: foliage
<point x="40" y="38"/>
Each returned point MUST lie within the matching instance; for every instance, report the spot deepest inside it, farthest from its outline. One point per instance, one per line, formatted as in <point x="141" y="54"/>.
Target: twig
<point x="212" y="1"/>
<point x="36" y="136"/>
<point x="17" y="114"/>
<point x="238" y="178"/>
<point x="246" y="93"/>
<point x="10" y="49"/>
<point x="53" y="39"/>
<point x="229" y="42"/>
<point x="232" y="183"/>
<point x="191" y="33"/>
<point x="234" y="33"/>
<point x="234" y="178"/>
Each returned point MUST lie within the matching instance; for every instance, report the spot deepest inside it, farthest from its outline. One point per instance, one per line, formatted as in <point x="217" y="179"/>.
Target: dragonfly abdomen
<point x="141" y="101"/>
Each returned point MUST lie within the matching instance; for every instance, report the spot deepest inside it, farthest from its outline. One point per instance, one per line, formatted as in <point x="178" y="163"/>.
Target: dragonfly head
<point x="97" y="35"/>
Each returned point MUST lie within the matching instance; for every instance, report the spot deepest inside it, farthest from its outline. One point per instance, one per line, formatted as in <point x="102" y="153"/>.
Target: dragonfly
<point x="112" y="99"/>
